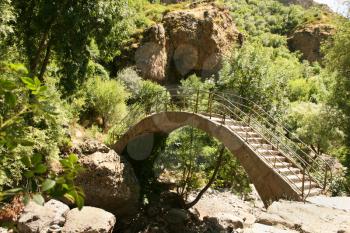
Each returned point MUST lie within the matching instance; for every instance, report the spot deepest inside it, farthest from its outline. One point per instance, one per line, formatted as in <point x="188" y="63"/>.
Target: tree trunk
<point x="35" y="61"/>
<point x="45" y="62"/>
<point x="211" y="181"/>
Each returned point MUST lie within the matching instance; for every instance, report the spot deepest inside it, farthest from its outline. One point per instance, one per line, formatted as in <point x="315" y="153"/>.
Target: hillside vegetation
<point x="68" y="63"/>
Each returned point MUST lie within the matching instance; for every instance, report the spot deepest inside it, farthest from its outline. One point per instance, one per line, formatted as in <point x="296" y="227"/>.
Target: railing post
<point x="197" y="99"/>
<point x="157" y="102"/>
<point x="303" y="184"/>
<point x="209" y="104"/>
<point x="166" y="101"/>
<point x="325" y="178"/>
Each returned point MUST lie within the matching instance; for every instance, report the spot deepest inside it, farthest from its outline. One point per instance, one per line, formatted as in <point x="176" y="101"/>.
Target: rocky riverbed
<point x="117" y="208"/>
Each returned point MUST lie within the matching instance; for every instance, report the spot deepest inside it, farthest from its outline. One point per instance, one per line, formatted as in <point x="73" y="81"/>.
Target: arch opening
<point x="269" y="184"/>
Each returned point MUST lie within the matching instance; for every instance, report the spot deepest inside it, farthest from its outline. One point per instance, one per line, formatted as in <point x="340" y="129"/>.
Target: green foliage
<point x="338" y="61"/>
<point x="190" y="156"/>
<point x="260" y="73"/>
<point x="257" y="17"/>
<point x="30" y="136"/>
<point x="67" y="29"/>
<point x="6" y="29"/>
<point x="106" y="98"/>
<point x="316" y="124"/>
<point x="131" y="80"/>
<point x="151" y="93"/>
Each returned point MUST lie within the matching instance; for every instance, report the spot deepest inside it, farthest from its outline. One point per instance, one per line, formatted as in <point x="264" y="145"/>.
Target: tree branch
<point x="211" y="181"/>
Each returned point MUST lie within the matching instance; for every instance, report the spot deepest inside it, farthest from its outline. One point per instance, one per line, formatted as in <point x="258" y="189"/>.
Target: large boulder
<point x="108" y="181"/>
<point x="190" y="40"/>
<point x="308" y="40"/>
<point x="36" y="218"/>
<point x="89" y="220"/>
<point x="306" y="217"/>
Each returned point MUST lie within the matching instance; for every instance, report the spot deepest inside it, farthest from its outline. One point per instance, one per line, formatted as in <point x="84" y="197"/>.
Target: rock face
<point x="308" y="40"/>
<point x="108" y="181"/>
<point x="90" y="220"/>
<point x="306" y="217"/>
<point x="191" y="40"/>
<point x="36" y="218"/>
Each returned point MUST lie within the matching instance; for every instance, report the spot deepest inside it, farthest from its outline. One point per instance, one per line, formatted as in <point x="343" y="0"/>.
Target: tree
<point x="6" y="29"/>
<point x="260" y="74"/>
<point x="316" y="124"/>
<point x="64" y="29"/>
<point x="337" y="59"/>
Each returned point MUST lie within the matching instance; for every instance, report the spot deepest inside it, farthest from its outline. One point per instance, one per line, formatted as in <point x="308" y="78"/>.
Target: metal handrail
<point x="264" y="155"/>
<point x="278" y="121"/>
<point x="273" y="135"/>
<point x="327" y="167"/>
<point x="253" y="119"/>
<point x="288" y="150"/>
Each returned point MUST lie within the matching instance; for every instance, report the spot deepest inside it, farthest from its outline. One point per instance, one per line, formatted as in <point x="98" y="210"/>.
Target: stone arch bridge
<point x="277" y="165"/>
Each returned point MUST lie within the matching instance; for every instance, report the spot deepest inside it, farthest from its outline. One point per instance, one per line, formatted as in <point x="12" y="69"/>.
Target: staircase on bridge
<point x="304" y="170"/>
<point x="278" y="161"/>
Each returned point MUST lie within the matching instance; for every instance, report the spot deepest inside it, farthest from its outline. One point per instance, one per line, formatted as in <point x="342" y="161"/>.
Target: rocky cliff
<point x="191" y="40"/>
<point x="308" y="40"/>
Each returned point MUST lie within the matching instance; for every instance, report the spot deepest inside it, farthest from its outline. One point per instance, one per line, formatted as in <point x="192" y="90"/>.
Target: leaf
<point x="13" y="191"/>
<point x="36" y="159"/>
<point x="29" y="174"/>
<point x="37" y="82"/>
<point x="60" y="180"/>
<point x="40" y="169"/>
<point x="78" y="197"/>
<point x="26" y="199"/>
<point x="25" y="142"/>
<point x="10" y="99"/>
<point x="26" y="161"/>
<point x="47" y="185"/>
<point x="39" y="199"/>
<point x="7" y="84"/>
<point x="69" y="197"/>
<point x="29" y="83"/>
<point x="73" y="158"/>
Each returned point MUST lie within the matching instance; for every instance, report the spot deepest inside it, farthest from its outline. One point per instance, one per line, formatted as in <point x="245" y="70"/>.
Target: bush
<point x="31" y="132"/>
<point x="106" y="98"/>
<point x="131" y="80"/>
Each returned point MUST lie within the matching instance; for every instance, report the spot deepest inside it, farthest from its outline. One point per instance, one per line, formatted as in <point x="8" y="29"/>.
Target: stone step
<point x="269" y="152"/>
<point x="296" y="178"/>
<point x="241" y="128"/>
<point x="273" y="159"/>
<point x="307" y="185"/>
<point x="281" y="164"/>
<point x="313" y="192"/>
<point x="248" y="134"/>
<point x="256" y="140"/>
<point x="262" y="145"/>
<point x="288" y="171"/>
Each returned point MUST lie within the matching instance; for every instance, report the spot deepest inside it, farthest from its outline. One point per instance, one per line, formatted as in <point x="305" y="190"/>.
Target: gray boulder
<point x="89" y="220"/>
<point x="109" y="182"/>
<point x="47" y="218"/>
<point x="307" y="217"/>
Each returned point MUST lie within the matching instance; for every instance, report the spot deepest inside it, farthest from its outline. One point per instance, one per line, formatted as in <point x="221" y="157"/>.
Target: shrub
<point x="31" y="131"/>
<point x="131" y="80"/>
<point x="106" y="98"/>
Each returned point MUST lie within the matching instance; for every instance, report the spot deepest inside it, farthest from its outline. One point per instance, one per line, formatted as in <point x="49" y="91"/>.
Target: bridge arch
<point x="270" y="184"/>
